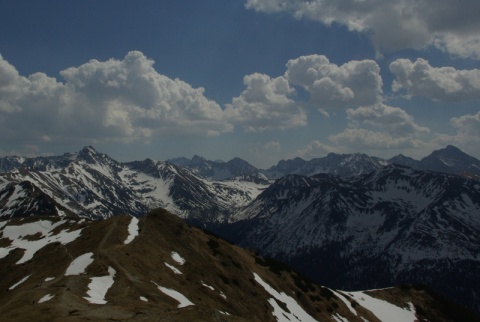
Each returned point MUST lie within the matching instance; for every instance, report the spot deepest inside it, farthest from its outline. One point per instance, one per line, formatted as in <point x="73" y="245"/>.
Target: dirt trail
<point x="109" y="252"/>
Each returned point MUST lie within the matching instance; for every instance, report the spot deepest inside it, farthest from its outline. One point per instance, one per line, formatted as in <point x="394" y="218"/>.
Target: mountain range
<point x="392" y="226"/>
<point x="157" y="268"/>
<point x="448" y="160"/>
<point x="93" y="185"/>
<point x="345" y="221"/>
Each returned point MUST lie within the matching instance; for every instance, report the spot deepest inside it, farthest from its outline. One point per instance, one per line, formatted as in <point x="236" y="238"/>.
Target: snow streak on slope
<point x="46" y="297"/>
<point x="173" y="268"/>
<point x="99" y="286"/>
<point x="179" y="297"/>
<point x="384" y="311"/>
<point x="154" y="192"/>
<point x="19" y="282"/>
<point x="79" y="264"/>
<point x="294" y="311"/>
<point x="132" y="230"/>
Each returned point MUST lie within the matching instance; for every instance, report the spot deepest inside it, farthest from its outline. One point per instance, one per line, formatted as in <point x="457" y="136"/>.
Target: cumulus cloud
<point x="273" y="146"/>
<point x="115" y="100"/>
<point x="331" y="86"/>
<point x="265" y="105"/>
<point x="314" y="150"/>
<point x="387" y="118"/>
<point x="451" y="26"/>
<point x="379" y="127"/>
<point x="438" y="83"/>
<point x="468" y="125"/>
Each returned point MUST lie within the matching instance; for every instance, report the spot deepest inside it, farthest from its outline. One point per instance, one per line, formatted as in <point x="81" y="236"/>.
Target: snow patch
<point x="179" y="259"/>
<point x="179" y="297"/>
<point x="337" y="317"/>
<point x="79" y="264"/>
<point x="344" y="300"/>
<point x="207" y="286"/>
<point x="384" y="310"/>
<point x="48" y="279"/>
<point x="223" y="295"/>
<point x="46" y="298"/>
<point x="294" y="311"/>
<point x="132" y="230"/>
<point x="144" y="299"/>
<point x="173" y="268"/>
<point x="45" y="228"/>
<point x="99" y="286"/>
<point x="19" y="282"/>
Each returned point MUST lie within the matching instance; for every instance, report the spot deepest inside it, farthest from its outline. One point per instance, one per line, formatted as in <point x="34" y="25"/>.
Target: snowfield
<point x="295" y="311"/>
<point x="79" y="264"/>
<point x="132" y="230"/>
<point x="384" y="311"/>
<point x="44" y="227"/>
<point x="99" y="286"/>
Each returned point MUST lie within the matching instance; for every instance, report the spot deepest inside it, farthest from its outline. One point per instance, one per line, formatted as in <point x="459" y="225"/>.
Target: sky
<point x="262" y="80"/>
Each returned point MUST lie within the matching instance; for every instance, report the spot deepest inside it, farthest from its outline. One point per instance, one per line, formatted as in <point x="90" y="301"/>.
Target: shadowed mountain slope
<point x="391" y="226"/>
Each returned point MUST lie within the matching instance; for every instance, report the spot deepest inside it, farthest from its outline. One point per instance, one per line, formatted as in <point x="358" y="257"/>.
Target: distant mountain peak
<point x="451" y="160"/>
<point x="89" y="149"/>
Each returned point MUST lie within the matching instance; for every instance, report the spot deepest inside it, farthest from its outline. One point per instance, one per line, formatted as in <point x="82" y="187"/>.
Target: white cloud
<point x="378" y="128"/>
<point x="265" y="105"/>
<point x="315" y="149"/>
<point x="394" y="120"/>
<point x="451" y="26"/>
<point x="468" y="125"/>
<point x="359" y="139"/>
<point x="273" y="146"/>
<point x="131" y="97"/>
<point x="331" y="86"/>
<point x="438" y="83"/>
<point x="116" y="100"/>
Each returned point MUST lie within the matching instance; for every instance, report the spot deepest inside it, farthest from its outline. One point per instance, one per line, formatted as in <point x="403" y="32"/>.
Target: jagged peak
<point x="89" y="154"/>
<point x="196" y="158"/>
<point x="449" y="150"/>
<point x="452" y="148"/>
<point x="88" y="149"/>
<point x="238" y="162"/>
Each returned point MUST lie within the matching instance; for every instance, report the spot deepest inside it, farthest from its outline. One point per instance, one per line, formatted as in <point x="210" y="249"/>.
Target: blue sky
<point x="260" y="79"/>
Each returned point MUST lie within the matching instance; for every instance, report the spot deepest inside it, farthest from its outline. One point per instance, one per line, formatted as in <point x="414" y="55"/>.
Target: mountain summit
<point x="451" y="160"/>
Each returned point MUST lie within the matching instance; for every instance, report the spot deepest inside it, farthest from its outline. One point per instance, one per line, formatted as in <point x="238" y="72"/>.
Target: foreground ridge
<point x="170" y="271"/>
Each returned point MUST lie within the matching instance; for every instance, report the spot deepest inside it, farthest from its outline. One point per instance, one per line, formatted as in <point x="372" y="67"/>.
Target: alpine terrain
<point x="350" y="222"/>
<point x="93" y="185"/>
<point x="391" y="226"/>
<point x="157" y="268"/>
